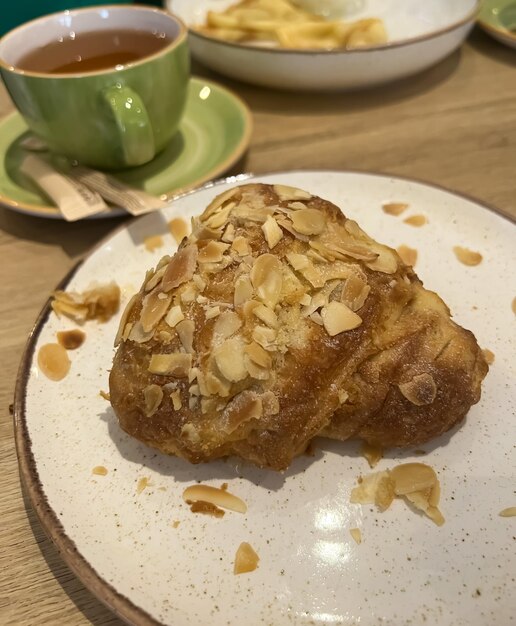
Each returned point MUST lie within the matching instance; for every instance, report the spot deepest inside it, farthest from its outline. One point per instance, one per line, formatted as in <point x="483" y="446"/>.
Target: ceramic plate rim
<point x="120" y="604"/>
<point x="53" y="212"/>
<point x="470" y="17"/>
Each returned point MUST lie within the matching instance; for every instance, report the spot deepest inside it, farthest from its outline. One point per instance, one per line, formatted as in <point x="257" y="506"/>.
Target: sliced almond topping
<point x="185" y="330"/>
<point x="227" y="324"/>
<point x="241" y="246"/>
<point x="217" y="202"/>
<point x="509" y="512"/>
<point x="377" y="488"/>
<point x="254" y="370"/>
<point x="246" y="559"/>
<point x="421" y="390"/>
<point x="408" y="255"/>
<point x="248" y="308"/>
<point x="189" y="293"/>
<point x="488" y="356"/>
<point x="153" y="242"/>
<point x="53" y="361"/>
<point x="394" y="208"/>
<point x="164" y="336"/>
<point x="337" y="318"/>
<point x="266" y="337"/>
<point x="266" y="279"/>
<point x="216" y="386"/>
<point x="176" y="364"/>
<point x="175" y="396"/>
<point x="270" y="403"/>
<point x="124" y="318"/>
<point x="180" y="268"/>
<point x="212" y="252"/>
<point x="305" y="300"/>
<point x="355" y="292"/>
<point x="373" y="454"/>
<point x="266" y="315"/>
<point x="199" y="282"/>
<point x="212" y="312"/>
<point x="244" y="407"/>
<point x="153" y="395"/>
<point x="71" y="339"/>
<point x="467" y="257"/>
<point x="420" y="500"/>
<point x="296" y="205"/>
<point x="286" y="193"/>
<point x="229" y="358"/>
<point x="219" y="218"/>
<point x="354" y="229"/>
<point x="153" y="309"/>
<point x="315" y="256"/>
<point x="174" y="316"/>
<point x="178" y="228"/>
<point x="309" y="221"/>
<point x="317" y="318"/>
<point x="385" y="263"/>
<point x="193" y="373"/>
<point x="258" y="355"/>
<point x="287" y="225"/>
<point x="229" y="234"/>
<point x="298" y="261"/>
<point x="243" y="290"/>
<point x="201" y="232"/>
<point x="351" y="250"/>
<point x="138" y="335"/>
<point x="219" y="497"/>
<point x="356" y="534"/>
<point x="272" y="232"/>
<point x="154" y="279"/>
<point x="343" y="396"/>
<point x="416" y="220"/>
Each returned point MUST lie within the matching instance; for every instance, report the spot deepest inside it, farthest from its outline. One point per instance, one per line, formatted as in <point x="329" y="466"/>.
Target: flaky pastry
<point x="279" y="320"/>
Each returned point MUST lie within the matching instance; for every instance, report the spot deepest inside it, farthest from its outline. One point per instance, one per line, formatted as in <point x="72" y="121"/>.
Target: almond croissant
<point x="278" y="320"/>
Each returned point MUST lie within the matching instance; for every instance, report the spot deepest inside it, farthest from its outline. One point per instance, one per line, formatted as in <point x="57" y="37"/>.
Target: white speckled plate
<point x="407" y="571"/>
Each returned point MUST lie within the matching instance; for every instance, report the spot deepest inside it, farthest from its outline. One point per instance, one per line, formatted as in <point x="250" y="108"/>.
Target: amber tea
<point x="93" y="51"/>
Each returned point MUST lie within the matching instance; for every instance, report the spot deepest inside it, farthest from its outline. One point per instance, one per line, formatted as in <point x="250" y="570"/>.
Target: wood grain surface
<point x="454" y="125"/>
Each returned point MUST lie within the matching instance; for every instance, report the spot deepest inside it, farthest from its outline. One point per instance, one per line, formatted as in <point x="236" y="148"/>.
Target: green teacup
<point x="107" y="106"/>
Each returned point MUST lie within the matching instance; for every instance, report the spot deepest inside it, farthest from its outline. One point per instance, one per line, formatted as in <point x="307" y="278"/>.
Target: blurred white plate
<point x="407" y="570"/>
<point x="420" y="35"/>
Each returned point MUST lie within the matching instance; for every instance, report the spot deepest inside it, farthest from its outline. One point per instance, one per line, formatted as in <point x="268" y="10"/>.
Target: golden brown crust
<point x="279" y="320"/>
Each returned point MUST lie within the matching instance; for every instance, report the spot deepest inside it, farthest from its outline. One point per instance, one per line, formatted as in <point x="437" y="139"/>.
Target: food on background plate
<point x="279" y="320"/>
<point x="281" y="23"/>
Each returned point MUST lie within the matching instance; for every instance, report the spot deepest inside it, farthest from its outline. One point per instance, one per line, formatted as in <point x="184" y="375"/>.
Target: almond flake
<point x="212" y="312"/>
<point x="153" y="242"/>
<point x="254" y="370"/>
<point x="266" y="315"/>
<point x="241" y="246"/>
<point x="153" y="395"/>
<point x="180" y="268"/>
<point x="220" y="218"/>
<point x="185" y="330"/>
<point x="176" y="364"/>
<point x="199" y="282"/>
<point x="509" y="512"/>
<point x="124" y="318"/>
<point x="153" y="309"/>
<point x="467" y="257"/>
<point x="229" y="234"/>
<point x="411" y="477"/>
<point x="355" y="292"/>
<point x="212" y="252"/>
<point x="272" y="232"/>
<point x="356" y="534"/>
<point x="216" y="386"/>
<point x="265" y="337"/>
<point x="53" y="361"/>
<point x="408" y="255"/>
<point x="138" y="335"/>
<point x="385" y="263"/>
<point x="394" y="208"/>
<point x="420" y="391"/>
<point x="227" y="324"/>
<point x="416" y="220"/>
<point x="229" y="358"/>
<point x="296" y="205"/>
<point x="243" y="290"/>
<point x="258" y="355"/>
<point x="353" y="251"/>
<point x="100" y="303"/>
<point x="337" y="318"/>
<point x="246" y="559"/>
<point x="175" y="396"/>
<point x="305" y="300"/>
<point x="287" y="225"/>
<point x="266" y="279"/>
<point x="174" y="316"/>
<point x="99" y="470"/>
<point x="219" y="497"/>
<point x="154" y="279"/>
<point x="189" y="293"/>
<point x="309" y="221"/>
<point x="298" y="261"/>
<point x="286" y="193"/>
<point x="178" y="229"/>
<point x="317" y="318"/>
<point x="217" y="202"/>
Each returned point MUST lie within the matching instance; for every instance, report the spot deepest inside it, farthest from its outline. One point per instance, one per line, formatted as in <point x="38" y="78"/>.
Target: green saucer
<point x="498" y="18"/>
<point x="213" y="135"/>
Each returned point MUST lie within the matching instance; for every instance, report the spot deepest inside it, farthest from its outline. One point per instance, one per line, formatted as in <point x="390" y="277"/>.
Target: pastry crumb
<point x="154" y="242"/>
<point x="71" y="339"/>
<point x="175" y="523"/>
<point x="373" y="454"/>
<point x="206" y="508"/>
<point x="178" y="229"/>
<point x="408" y="255"/>
<point x="105" y="395"/>
<point x="466" y="256"/>
<point x="53" y="361"/>
<point x="246" y="559"/>
<point x="488" y="356"/>
<point x="509" y="512"/>
<point x="142" y="484"/>
<point x="356" y="534"/>
<point x="394" y="208"/>
<point x="416" y="220"/>
<point x="99" y="470"/>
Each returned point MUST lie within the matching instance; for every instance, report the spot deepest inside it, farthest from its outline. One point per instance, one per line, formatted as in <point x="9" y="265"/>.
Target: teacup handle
<point x="132" y="121"/>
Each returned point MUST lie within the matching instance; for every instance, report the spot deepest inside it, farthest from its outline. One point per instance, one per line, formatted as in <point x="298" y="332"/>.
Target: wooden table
<point x="454" y="125"/>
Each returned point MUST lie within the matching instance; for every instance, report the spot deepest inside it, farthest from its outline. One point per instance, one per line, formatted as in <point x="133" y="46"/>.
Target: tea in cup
<point x="105" y="86"/>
